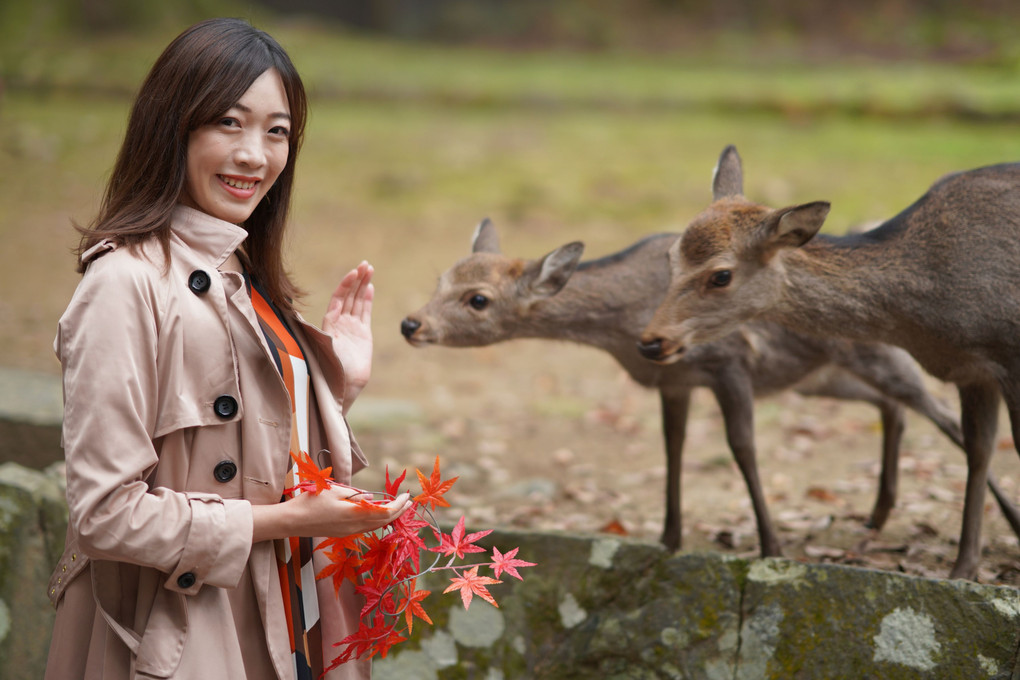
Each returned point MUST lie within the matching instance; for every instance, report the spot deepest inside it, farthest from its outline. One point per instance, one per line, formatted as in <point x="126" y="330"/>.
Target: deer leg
<point x="675" y="408"/>
<point x="1008" y="508"/>
<point x="895" y="374"/>
<point x="918" y="399"/>
<point x="1009" y="511"/>
<point x="840" y="384"/>
<point x="892" y="435"/>
<point x="736" y="399"/>
<point x="979" y="419"/>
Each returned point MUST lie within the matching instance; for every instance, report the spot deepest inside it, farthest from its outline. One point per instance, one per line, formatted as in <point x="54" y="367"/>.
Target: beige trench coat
<point x="176" y="421"/>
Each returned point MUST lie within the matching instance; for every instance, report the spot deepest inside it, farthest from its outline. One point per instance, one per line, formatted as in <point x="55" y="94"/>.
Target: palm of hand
<point x="348" y="321"/>
<point x="352" y="342"/>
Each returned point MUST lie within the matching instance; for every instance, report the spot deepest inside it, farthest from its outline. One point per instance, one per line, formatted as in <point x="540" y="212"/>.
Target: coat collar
<point x="199" y="232"/>
<point x="205" y="234"/>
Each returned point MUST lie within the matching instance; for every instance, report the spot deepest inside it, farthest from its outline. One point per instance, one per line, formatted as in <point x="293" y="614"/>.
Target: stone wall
<point x="33" y="519"/>
<point x="601" y="607"/>
<point x="31" y="410"/>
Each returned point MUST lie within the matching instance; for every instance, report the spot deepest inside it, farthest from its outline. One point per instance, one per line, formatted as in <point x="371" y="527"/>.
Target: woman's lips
<point x="241" y="187"/>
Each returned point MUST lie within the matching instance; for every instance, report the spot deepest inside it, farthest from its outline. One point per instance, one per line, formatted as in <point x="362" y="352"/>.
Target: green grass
<point x="339" y="64"/>
<point x="552" y="146"/>
<point x="493" y="78"/>
<point x="633" y="171"/>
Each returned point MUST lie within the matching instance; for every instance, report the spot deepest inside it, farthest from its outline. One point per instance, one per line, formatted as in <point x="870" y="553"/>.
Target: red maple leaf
<point x="344" y="560"/>
<point x="309" y="473"/>
<point x="383" y="645"/>
<point x="393" y="488"/>
<point x="457" y="543"/>
<point x="370" y="640"/>
<point x="373" y="594"/>
<point x="365" y="504"/>
<point x="384" y="566"/>
<point x="341" y="569"/>
<point x="405" y="537"/>
<point x="471" y="584"/>
<point x="377" y="557"/>
<point x="433" y="488"/>
<point x="413" y="608"/>
<point x="507" y="563"/>
<point x="338" y="543"/>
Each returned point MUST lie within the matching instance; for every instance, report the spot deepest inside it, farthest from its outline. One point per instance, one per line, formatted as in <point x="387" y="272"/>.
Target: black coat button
<point x="224" y="471"/>
<point x="225" y="406"/>
<point x="186" y="580"/>
<point x="198" y="282"/>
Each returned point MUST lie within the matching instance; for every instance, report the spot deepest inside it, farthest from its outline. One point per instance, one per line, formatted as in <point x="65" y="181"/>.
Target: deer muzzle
<point x="650" y="349"/>
<point x="659" y="350"/>
<point x="408" y="327"/>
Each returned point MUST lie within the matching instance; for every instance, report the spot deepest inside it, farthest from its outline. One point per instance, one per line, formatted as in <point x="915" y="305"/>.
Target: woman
<point x="190" y="381"/>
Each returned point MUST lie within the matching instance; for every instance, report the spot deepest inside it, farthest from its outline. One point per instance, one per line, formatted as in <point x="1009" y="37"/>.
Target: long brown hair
<point x="199" y="76"/>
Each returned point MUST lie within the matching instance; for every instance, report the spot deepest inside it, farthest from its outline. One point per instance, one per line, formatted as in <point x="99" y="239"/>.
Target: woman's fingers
<point x="361" y="301"/>
<point x="399" y="505"/>
<point x="333" y="512"/>
<point x="353" y="296"/>
<point x="353" y="289"/>
<point x="353" y="518"/>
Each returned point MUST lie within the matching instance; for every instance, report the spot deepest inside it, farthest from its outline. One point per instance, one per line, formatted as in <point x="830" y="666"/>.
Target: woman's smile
<point x="234" y="160"/>
<point x="242" y="187"/>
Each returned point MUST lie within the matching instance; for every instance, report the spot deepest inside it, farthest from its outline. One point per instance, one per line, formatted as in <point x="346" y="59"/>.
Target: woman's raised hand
<point x="349" y="321"/>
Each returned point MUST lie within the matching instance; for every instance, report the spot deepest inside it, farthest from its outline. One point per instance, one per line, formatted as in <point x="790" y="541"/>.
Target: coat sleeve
<point x="107" y="345"/>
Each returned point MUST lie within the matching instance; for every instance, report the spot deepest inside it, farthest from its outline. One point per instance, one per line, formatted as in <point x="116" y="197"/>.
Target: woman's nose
<point x="250" y="151"/>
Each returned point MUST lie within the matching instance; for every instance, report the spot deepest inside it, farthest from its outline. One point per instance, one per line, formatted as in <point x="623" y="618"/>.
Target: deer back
<point x="941" y="278"/>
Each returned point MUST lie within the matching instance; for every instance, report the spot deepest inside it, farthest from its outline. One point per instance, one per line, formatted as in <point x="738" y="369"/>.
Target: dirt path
<point x="554" y="436"/>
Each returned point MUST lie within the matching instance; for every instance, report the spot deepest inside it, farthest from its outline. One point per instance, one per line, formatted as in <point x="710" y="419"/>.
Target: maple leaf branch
<point x="384" y="565"/>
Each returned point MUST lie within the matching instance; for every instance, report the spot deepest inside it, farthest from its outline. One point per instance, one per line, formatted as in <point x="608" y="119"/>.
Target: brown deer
<point x="488" y="297"/>
<point x="941" y="279"/>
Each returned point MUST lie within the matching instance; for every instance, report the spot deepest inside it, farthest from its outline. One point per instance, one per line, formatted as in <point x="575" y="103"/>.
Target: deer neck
<point x="846" y="288"/>
<point x="606" y="302"/>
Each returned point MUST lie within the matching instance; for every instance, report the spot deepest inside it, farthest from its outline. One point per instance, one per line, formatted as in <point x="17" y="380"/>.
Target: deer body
<point x="941" y="280"/>
<point x="488" y="298"/>
<point x="956" y="314"/>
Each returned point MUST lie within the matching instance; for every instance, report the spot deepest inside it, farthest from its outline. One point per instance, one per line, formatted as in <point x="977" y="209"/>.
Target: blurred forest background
<point x="593" y="120"/>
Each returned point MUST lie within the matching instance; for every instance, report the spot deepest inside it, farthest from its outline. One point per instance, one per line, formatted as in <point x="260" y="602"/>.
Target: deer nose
<point x="650" y="349"/>
<point x="408" y="326"/>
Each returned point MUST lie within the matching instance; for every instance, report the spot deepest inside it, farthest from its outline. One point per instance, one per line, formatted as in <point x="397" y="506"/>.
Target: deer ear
<point x="795" y="226"/>
<point x="556" y="268"/>
<point x="485" y="238"/>
<point x="728" y="177"/>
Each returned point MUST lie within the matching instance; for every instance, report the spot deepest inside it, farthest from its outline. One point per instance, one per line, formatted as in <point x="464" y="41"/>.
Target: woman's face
<point x="234" y="161"/>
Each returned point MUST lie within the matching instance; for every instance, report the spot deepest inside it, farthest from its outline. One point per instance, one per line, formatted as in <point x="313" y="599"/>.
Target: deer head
<point x="727" y="267"/>
<point x="488" y="297"/>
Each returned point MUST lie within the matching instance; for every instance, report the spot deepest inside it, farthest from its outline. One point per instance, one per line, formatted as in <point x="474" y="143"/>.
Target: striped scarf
<point x="294" y="555"/>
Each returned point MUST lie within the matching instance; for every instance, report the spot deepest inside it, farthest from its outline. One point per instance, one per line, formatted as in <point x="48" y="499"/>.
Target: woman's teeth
<point x="238" y="183"/>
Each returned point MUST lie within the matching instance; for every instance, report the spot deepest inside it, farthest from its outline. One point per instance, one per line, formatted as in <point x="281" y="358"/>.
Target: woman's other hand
<point x="349" y="321"/>
<point x="324" y="514"/>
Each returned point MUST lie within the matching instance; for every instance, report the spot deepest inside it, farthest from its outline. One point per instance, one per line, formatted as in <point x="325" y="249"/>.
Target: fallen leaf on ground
<point x="614" y="526"/>
<point x="820" y="493"/>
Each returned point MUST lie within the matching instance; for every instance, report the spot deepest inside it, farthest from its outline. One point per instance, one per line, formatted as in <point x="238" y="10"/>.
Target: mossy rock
<point x="33" y="521"/>
<point x="614" y="608"/>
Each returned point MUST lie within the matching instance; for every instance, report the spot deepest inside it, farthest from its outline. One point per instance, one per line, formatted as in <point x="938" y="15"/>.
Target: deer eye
<point x="720" y="279"/>
<point x="478" y="301"/>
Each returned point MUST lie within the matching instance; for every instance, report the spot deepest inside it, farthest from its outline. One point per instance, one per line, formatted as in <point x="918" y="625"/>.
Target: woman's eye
<point x="229" y="122"/>
<point x="720" y="279"/>
<point x="478" y="301"/>
<point x="280" y="130"/>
